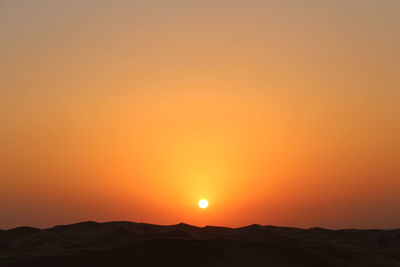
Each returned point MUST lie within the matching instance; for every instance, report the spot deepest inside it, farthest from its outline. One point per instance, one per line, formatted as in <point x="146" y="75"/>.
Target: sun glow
<point x="203" y="203"/>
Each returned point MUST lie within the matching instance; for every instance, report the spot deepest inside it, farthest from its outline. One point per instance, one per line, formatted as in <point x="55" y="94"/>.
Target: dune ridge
<point x="125" y="243"/>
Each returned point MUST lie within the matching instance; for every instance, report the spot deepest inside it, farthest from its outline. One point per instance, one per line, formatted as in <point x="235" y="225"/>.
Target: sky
<point x="277" y="112"/>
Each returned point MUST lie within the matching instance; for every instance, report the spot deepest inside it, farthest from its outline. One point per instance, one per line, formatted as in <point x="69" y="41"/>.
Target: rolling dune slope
<point x="139" y="244"/>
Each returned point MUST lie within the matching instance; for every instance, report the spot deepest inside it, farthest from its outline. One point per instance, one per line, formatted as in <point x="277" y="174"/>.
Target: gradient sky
<point x="278" y="112"/>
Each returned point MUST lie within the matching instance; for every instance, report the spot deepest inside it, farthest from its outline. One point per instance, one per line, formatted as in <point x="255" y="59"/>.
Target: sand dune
<point x="139" y="244"/>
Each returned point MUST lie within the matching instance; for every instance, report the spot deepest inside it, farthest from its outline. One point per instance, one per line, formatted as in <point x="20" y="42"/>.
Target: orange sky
<point x="276" y="112"/>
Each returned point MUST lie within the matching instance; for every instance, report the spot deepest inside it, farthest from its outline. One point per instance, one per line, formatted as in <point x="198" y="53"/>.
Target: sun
<point x="203" y="203"/>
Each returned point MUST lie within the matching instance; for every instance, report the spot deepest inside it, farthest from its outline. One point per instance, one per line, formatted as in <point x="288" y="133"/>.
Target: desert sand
<point x="140" y="244"/>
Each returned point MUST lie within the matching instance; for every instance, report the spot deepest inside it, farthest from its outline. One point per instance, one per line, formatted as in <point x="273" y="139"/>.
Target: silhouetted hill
<point x="139" y="244"/>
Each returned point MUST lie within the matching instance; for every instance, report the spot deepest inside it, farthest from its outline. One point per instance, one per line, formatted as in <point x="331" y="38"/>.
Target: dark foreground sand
<point x="123" y="244"/>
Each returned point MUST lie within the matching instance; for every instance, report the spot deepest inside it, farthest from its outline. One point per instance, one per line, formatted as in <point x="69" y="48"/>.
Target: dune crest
<point x="140" y="244"/>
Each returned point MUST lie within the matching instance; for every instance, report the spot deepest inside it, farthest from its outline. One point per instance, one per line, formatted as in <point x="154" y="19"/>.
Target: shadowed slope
<point x="139" y="244"/>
